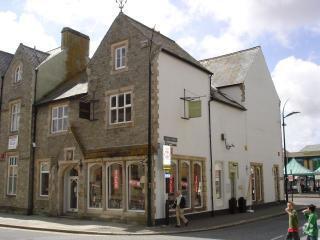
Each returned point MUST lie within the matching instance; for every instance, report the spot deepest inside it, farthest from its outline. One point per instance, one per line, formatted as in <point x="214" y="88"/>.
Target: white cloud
<point x="299" y="81"/>
<point x="24" y="29"/>
<point x="255" y="17"/>
<point x="210" y="46"/>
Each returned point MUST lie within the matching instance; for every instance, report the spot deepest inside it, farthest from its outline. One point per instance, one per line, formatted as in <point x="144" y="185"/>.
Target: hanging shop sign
<point x="290" y="178"/>
<point x="13" y="142"/>
<point x="171" y="141"/>
<point x="195" y="109"/>
<point x="166" y="151"/>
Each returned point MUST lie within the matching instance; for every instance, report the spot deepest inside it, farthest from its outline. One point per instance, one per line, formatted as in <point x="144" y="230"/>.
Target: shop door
<point x="73" y="191"/>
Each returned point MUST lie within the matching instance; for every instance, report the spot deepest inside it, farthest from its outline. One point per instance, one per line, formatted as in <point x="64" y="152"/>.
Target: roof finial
<point x="121" y="4"/>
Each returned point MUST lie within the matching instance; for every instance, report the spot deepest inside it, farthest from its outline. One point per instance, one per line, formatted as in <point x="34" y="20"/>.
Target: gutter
<point x="33" y="148"/>
<point x="210" y="147"/>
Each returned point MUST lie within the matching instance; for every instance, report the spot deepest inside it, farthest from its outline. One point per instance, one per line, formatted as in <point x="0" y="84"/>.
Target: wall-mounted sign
<point x="290" y="178"/>
<point x="166" y="151"/>
<point x="13" y="142"/>
<point x="171" y="141"/>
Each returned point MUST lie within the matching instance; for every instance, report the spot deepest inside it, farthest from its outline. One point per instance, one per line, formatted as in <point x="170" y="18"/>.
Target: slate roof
<point x="73" y="87"/>
<point x="311" y="148"/>
<point x="167" y="45"/>
<point x="5" y="60"/>
<point x="230" y="69"/>
<point x="34" y="55"/>
<point x="218" y="96"/>
<point x="295" y="168"/>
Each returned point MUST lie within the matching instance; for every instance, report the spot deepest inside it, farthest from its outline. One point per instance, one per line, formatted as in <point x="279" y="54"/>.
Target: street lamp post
<point x="285" y="150"/>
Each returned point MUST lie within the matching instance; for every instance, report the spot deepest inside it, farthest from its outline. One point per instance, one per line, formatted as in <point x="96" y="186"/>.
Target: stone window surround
<point x="37" y="182"/>
<point x="14" y="73"/>
<point x="50" y="107"/>
<point x="11" y="104"/>
<point x="9" y="156"/>
<point x="114" y="46"/>
<point x="120" y="53"/>
<point x="178" y="160"/>
<point x="107" y="114"/>
<point x="125" y="162"/>
<point x="40" y="178"/>
<point x="65" y="150"/>
<point x="260" y="166"/>
<point x="88" y="186"/>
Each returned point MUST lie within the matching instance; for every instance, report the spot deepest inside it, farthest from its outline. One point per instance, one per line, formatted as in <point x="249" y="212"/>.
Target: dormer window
<point x="120" y="57"/>
<point x="18" y="74"/>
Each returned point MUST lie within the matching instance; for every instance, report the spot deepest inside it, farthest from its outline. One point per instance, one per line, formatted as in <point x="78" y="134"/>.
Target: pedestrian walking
<point x="179" y="204"/>
<point x="293" y="229"/>
<point x="311" y="227"/>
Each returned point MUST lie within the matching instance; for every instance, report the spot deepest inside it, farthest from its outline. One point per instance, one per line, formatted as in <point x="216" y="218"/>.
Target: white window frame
<point x="118" y="55"/>
<point x="109" y="182"/>
<point x="56" y="118"/>
<point x="127" y="186"/>
<point x="201" y="181"/>
<point x="17" y="74"/>
<point x="43" y="172"/>
<point x="12" y="164"/>
<point x="15" y="117"/>
<point x="88" y="184"/>
<point x="117" y="108"/>
<point x="189" y="182"/>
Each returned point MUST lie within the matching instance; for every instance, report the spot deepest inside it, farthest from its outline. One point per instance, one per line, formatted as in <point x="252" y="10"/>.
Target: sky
<point x="287" y="30"/>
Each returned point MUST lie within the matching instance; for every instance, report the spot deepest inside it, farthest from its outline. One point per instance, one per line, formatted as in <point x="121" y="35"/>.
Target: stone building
<point x="81" y="148"/>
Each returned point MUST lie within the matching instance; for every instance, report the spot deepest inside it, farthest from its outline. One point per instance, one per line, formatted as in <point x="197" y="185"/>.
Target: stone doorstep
<point x="135" y="230"/>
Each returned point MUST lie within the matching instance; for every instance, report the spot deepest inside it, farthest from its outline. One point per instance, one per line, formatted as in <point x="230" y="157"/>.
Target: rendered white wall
<point x="193" y="134"/>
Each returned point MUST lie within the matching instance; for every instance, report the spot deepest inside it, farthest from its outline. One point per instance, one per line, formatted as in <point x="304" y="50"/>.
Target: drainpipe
<point x="1" y="90"/>
<point x="210" y="147"/>
<point x="33" y="147"/>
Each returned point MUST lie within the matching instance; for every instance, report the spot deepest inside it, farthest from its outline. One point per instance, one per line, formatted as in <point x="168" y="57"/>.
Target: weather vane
<point x="121" y="4"/>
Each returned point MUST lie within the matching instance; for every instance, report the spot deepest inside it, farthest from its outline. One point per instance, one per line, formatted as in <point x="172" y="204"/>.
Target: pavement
<point x="93" y="227"/>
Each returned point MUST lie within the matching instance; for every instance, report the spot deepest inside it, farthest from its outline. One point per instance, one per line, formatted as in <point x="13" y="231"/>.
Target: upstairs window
<point x="120" y="108"/>
<point x="17" y="74"/>
<point x="120" y="57"/>
<point x="59" y="122"/>
<point x="15" y="117"/>
<point x="12" y="175"/>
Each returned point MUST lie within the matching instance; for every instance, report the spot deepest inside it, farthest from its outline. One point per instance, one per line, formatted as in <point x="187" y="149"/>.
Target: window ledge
<point x="119" y="70"/>
<point x="120" y="125"/>
<point x="11" y="195"/>
<point x="51" y="134"/>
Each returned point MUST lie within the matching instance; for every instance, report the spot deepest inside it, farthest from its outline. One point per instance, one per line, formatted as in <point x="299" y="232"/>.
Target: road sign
<point x="290" y="178"/>
<point x="171" y="141"/>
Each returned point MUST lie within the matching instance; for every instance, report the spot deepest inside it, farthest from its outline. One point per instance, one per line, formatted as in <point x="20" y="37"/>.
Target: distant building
<point x="308" y="156"/>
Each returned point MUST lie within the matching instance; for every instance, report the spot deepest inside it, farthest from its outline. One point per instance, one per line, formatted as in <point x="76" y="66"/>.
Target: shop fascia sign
<point x="13" y="142"/>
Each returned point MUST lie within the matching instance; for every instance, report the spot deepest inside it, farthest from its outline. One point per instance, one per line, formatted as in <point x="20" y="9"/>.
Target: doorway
<point x="72" y="190"/>
<point x="256" y="172"/>
<point x="276" y="182"/>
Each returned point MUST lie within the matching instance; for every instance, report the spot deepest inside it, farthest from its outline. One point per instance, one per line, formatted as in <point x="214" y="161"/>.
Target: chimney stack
<point x="77" y="46"/>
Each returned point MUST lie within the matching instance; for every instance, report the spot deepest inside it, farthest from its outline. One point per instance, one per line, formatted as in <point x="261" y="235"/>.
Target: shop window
<point x="59" y="122"/>
<point x="44" y="179"/>
<point x="18" y="74"/>
<point x="197" y="183"/>
<point x="12" y="175"/>
<point x="171" y="183"/>
<point x="95" y="186"/>
<point x="120" y="108"/>
<point x="185" y="183"/>
<point x="136" y="187"/>
<point x="218" y="180"/>
<point x="15" y="117"/>
<point x="115" y="186"/>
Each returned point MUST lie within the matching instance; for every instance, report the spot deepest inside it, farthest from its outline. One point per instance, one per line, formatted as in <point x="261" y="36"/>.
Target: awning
<point x="295" y="168"/>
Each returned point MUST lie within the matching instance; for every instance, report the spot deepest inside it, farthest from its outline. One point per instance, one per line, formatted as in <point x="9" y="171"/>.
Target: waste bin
<point x="242" y="204"/>
<point x="232" y="205"/>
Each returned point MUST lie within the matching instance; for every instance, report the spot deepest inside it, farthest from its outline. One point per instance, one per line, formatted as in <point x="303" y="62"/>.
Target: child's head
<point x="312" y="208"/>
<point x="290" y="205"/>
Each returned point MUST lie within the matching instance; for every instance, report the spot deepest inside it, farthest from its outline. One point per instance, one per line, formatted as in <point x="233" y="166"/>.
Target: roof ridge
<point x="230" y="54"/>
<point x="6" y="53"/>
<point x="143" y="25"/>
<point x="39" y="51"/>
